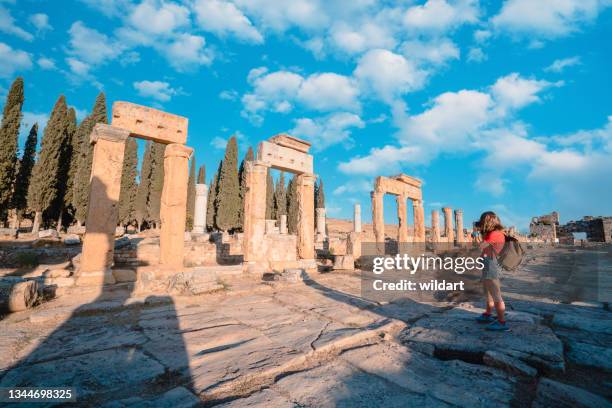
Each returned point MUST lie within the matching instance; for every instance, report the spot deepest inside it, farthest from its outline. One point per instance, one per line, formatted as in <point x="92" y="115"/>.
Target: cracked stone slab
<point x="551" y="393"/>
<point x="261" y="399"/>
<point x="455" y="382"/>
<point x="103" y="371"/>
<point x="589" y="355"/>
<point x="532" y="341"/>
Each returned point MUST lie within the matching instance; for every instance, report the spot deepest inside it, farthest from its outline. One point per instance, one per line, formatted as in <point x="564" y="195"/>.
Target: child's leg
<point x="488" y="298"/>
<point x="495" y="292"/>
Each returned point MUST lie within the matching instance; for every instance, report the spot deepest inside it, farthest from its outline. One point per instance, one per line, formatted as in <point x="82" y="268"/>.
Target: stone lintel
<point x="178" y="150"/>
<point x="388" y="185"/>
<point x="149" y="123"/>
<point x="404" y="178"/>
<point x="291" y="142"/>
<point x="108" y="132"/>
<point x="284" y="158"/>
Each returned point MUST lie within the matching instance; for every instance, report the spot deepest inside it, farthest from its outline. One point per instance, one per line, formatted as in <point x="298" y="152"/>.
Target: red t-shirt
<point x="497" y="239"/>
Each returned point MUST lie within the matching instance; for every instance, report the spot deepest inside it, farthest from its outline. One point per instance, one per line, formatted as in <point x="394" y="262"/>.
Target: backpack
<point x="511" y="256"/>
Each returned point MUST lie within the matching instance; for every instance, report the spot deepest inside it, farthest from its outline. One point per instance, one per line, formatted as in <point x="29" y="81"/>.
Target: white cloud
<point x="329" y="130"/>
<point x="476" y="54"/>
<point x="437" y="51"/>
<point x="41" y="22"/>
<point x="158" y="90"/>
<point x="13" y="61"/>
<point x="281" y="15"/>
<point x="223" y="18"/>
<point x="329" y="91"/>
<point x="187" y="52"/>
<point x="388" y="74"/>
<point x="9" y="26"/>
<point x="89" y="48"/>
<point x="546" y="18"/>
<point x="158" y="17"/>
<point x="482" y="36"/>
<point x="228" y="95"/>
<point x="387" y="159"/>
<point x="361" y="37"/>
<point x="512" y="91"/>
<point x="78" y="67"/>
<point x="109" y="8"/>
<point x="355" y="186"/>
<point x="441" y="15"/>
<point x="46" y="63"/>
<point x="220" y="143"/>
<point x="560" y="64"/>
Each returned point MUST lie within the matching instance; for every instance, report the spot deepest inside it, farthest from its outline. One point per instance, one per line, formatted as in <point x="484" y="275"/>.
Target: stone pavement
<point x="314" y="344"/>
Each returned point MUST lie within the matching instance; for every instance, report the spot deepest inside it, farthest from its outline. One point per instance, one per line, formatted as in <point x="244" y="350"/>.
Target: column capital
<point x="417" y="203"/>
<point x="458" y="211"/>
<point x="178" y="150"/>
<point x="108" y="132"/>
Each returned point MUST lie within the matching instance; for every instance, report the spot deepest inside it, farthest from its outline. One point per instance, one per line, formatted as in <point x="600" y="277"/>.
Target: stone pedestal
<point x="353" y="245"/>
<point x="435" y="226"/>
<point x="173" y="210"/>
<point x="448" y="224"/>
<point x="459" y="226"/>
<point x="419" y="221"/>
<point x="402" y="222"/>
<point x="357" y="218"/>
<point x="102" y="210"/>
<point x="378" y="219"/>
<point x="305" y="235"/>
<point x="254" y="213"/>
<point x="283" y="224"/>
<point x="320" y="222"/>
<point x="201" y="202"/>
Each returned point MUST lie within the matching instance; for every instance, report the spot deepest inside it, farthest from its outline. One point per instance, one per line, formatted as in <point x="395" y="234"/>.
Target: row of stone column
<point x="379" y="222"/>
<point x="450" y="233"/>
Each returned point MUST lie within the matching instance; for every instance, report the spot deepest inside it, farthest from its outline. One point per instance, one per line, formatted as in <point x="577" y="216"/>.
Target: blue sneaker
<point x="485" y="318"/>
<point x="498" y="326"/>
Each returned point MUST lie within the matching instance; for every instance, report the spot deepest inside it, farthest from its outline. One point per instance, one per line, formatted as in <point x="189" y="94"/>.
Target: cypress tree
<point x="157" y="183"/>
<point x="280" y="197"/>
<point x="202" y="175"/>
<point x="43" y="188"/>
<point x="9" y="134"/>
<point x="269" y="196"/>
<point x="64" y="182"/>
<point x="242" y="175"/>
<point x="72" y="153"/>
<point x="80" y="195"/>
<point x="292" y="206"/>
<point x="228" y="190"/>
<point x="142" y="194"/>
<point x="129" y="188"/>
<point x="211" y="208"/>
<point x="191" y="195"/>
<point x="22" y="181"/>
<point x="319" y="195"/>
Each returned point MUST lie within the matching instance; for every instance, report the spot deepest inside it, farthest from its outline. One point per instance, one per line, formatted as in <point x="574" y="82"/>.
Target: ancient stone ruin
<point x="264" y="251"/>
<point x="597" y="229"/>
<point x="130" y="120"/>
<point x="544" y="227"/>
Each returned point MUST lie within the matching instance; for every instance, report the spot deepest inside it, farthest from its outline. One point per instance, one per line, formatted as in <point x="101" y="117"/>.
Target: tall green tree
<point x="228" y="193"/>
<point x="191" y="195"/>
<point x="80" y="195"/>
<point x="292" y="205"/>
<point x="43" y="188"/>
<point x="269" y="196"/>
<point x="65" y="182"/>
<point x="280" y="197"/>
<point x="9" y="134"/>
<point x="22" y="181"/>
<point x="202" y="175"/>
<point x="242" y="175"/>
<point x="144" y="187"/>
<point x="72" y="153"/>
<point x="319" y="195"/>
<point x="211" y="206"/>
<point x="129" y="187"/>
<point x="157" y="183"/>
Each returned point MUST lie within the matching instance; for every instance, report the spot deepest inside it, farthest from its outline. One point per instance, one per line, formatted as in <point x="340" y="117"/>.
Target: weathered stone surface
<point x="17" y="295"/>
<point x="8" y="233"/>
<point x="509" y="364"/>
<point x="344" y="262"/>
<point x="199" y="216"/>
<point x="555" y="394"/>
<point x="260" y="399"/>
<point x="48" y="233"/>
<point x="357" y="218"/>
<point x="119" y="231"/>
<point x="577" y="322"/>
<point x="435" y="226"/>
<point x="419" y="220"/>
<point x="60" y="282"/>
<point x="149" y="123"/>
<point x="178" y="397"/>
<point x="448" y="224"/>
<point x="284" y="158"/>
<point x="72" y="239"/>
<point x="589" y="355"/>
<point x="305" y="233"/>
<point x="57" y="273"/>
<point x="124" y="275"/>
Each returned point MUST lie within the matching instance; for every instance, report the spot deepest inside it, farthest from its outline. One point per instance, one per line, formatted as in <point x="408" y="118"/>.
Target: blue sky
<point x="495" y="105"/>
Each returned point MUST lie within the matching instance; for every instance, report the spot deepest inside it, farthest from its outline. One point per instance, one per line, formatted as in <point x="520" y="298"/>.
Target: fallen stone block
<point x="589" y="355"/>
<point x="555" y="394"/>
<point x="16" y="296"/>
<point x="59" y="282"/>
<point x="74" y="229"/>
<point x="124" y="275"/>
<point x="72" y="239"/>
<point x="509" y="364"/>
<point x="48" y="233"/>
<point x="119" y="232"/>
<point x="344" y="262"/>
<point x="57" y="273"/>
<point x="8" y="233"/>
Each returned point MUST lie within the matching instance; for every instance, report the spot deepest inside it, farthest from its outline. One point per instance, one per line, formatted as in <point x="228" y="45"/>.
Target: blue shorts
<point x="491" y="269"/>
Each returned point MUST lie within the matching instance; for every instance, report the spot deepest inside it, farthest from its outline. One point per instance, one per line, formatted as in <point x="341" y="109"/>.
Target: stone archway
<point x="130" y="120"/>
<point x="403" y="187"/>
<point x="289" y="154"/>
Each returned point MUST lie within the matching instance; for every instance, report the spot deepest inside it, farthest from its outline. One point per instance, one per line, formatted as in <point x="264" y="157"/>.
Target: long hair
<point x="489" y="221"/>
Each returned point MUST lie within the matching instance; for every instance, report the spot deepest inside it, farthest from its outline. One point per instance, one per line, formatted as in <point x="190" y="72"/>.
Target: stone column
<point x="459" y="225"/>
<point x="102" y="210"/>
<point x="419" y="221"/>
<point x="402" y="222"/>
<point x="254" y="227"/>
<point x="201" y="202"/>
<point x="378" y="219"/>
<point x="305" y="235"/>
<point x="320" y="214"/>
<point x="173" y="209"/>
<point x="283" y="224"/>
<point x="448" y="224"/>
<point x="435" y="226"/>
<point x="357" y="218"/>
